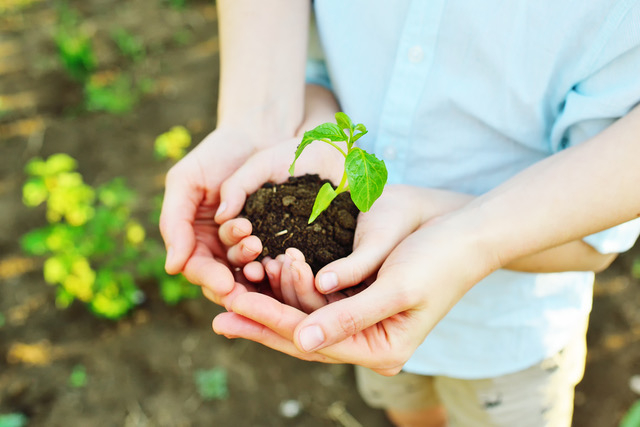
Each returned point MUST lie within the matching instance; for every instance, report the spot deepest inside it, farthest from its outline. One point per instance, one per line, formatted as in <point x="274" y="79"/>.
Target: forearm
<point x="262" y="59"/>
<point x="572" y="256"/>
<point x="580" y="191"/>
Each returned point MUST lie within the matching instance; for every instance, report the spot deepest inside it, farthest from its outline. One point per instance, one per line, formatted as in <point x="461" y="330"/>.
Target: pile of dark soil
<point x="280" y="213"/>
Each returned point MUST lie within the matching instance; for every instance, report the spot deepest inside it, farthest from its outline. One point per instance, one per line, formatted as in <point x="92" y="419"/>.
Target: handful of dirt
<point x="279" y="215"/>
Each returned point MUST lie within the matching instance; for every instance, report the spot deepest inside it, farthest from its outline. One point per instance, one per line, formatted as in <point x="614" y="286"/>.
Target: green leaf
<point x="632" y="418"/>
<point x="323" y="200"/>
<point x="59" y="163"/>
<point x="36" y="167"/>
<point x="367" y="176"/>
<point x="361" y="128"/>
<point x="35" y="241"/>
<point x="344" y="121"/>
<point x="358" y="136"/>
<point x="212" y="383"/>
<point x="34" y="192"/>
<point x="323" y="132"/>
<point x="13" y="420"/>
<point x="78" y="376"/>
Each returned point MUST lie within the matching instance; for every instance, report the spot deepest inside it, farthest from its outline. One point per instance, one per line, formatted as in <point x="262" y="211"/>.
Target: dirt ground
<point x="141" y="369"/>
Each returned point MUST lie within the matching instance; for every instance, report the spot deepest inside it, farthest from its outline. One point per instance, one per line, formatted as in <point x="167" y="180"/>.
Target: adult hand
<point x="268" y="165"/>
<point x="381" y="326"/>
<point x="192" y="197"/>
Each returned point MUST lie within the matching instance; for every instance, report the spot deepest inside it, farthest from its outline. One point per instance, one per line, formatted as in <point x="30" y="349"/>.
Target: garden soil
<point x="140" y="371"/>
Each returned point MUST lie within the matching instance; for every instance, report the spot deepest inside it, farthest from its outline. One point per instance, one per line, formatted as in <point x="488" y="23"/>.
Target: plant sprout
<point x="364" y="175"/>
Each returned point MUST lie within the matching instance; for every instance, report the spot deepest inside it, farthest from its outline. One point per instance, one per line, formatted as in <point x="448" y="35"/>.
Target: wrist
<point x="470" y="230"/>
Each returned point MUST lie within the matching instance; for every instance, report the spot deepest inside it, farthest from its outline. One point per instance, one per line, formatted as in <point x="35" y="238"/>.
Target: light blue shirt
<point x="462" y="95"/>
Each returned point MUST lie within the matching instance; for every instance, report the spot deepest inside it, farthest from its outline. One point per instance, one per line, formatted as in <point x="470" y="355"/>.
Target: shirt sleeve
<point x="316" y="69"/>
<point x="608" y="88"/>
<point x="317" y="73"/>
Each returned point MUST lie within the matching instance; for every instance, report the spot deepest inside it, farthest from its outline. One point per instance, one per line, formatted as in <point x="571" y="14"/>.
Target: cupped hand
<point x="191" y="199"/>
<point x="380" y="327"/>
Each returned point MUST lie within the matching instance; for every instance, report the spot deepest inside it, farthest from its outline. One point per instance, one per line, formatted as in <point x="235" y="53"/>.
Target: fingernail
<point x="169" y="258"/>
<point x="311" y="337"/>
<point x="327" y="282"/>
<point x="221" y="208"/>
<point x="248" y="251"/>
<point x="237" y="233"/>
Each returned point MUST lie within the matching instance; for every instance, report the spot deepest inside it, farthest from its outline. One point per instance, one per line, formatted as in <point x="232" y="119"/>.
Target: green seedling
<point x="128" y="44"/>
<point x="74" y="44"/>
<point x="78" y="377"/>
<point x="112" y="94"/>
<point x="13" y="420"/>
<point x="212" y="384"/>
<point x="632" y="417"/>
<point x="96" y="249"/>
<point x="364" y="175"/>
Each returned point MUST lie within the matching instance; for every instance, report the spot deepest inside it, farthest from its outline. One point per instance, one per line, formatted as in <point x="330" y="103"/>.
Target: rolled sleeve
<point x="608" y="90"/>
<point x="618" y="239"/>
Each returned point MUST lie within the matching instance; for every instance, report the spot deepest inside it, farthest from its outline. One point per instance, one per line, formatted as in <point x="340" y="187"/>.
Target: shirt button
<point x="390" y="153"/>
<point x="416" y="54"/>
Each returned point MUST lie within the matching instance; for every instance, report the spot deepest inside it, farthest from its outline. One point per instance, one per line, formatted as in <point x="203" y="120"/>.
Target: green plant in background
<point x="635" y="268"/>
<point x="96" y="250"/>
<point x="212" y="384"/>
<point x="78" y="377"/>
<point x="74" y="45"/>
<point x="13" y="420"/>
<point x="2" y="320"/>
<point x="632" y="417"/>
<point x="172" y="144"/>
<point x="364" y="175"/>
<point x="176" y="4"/>
<point x="111" y="93"/>
<point x="128" y="44"/>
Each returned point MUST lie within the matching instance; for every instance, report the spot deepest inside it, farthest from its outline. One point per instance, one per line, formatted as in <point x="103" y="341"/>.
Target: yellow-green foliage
<point x="173" y="144"/>
<point x="96" y="250"/>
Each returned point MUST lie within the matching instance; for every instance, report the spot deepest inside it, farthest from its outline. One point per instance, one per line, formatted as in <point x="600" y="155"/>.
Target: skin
<point x="381" y="326"/>
<point x="251" y="117"/>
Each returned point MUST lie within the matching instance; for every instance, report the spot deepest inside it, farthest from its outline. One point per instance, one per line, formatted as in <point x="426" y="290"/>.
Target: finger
<point x="372" y="350"/>
<point x="264" y="166"/>
<point x="272" y="268"/>
<point x="375" y="240"/>
<point x="244" y="252"/>
<point x="345" y="318"/>
<point x="177" y="216"/>
<point x="308" y="297"/>
<point x="233" y="325"/>
<point x="204" y="270"/>
<point x="288" y="277"/>
<point x="233" y="231"/>
<point x="254" y="271"/>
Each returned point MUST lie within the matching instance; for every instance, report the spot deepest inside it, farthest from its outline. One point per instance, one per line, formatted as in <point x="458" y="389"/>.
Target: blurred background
<point x="98" y="98"/>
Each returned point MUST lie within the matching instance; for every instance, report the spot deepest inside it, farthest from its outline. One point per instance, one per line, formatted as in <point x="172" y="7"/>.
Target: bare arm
<point x="262" y="58"/>
<point x="261" y="103"/>
<point x="580" y="191"/>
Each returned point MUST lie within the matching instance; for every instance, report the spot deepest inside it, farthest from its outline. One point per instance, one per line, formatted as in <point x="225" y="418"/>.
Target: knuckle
<point x="402" y="297"/>
<point x="172" y="174"/>
<point x="350" y="322"/>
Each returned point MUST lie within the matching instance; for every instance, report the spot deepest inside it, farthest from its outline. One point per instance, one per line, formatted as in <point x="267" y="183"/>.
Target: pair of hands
<point x="415" y="261"/>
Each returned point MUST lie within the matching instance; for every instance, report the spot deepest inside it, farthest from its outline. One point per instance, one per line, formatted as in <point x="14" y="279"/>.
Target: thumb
<point x="345" y="318"/>
<point x="181" y="200"/>
<point x="264" y="166"/>
<point x="374" y="241"/>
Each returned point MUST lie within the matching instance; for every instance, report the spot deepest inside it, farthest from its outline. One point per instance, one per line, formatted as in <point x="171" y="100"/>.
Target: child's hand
<point x="397" y="291"/>
<point x="289" y="277"/>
